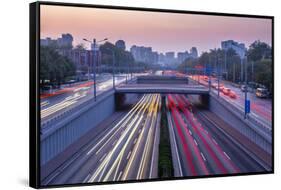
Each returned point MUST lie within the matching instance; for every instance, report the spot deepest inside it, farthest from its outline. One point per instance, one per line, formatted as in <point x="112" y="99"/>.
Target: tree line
<point x="54" y="68"/>
<point x="228" y="64"/>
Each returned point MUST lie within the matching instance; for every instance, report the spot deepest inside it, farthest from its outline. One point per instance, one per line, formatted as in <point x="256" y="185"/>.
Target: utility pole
<point x="94" y="69"/>
<point x="218" y="74"/>
<point x="94" y="47"/>
<point x="246" y="85"/>
<point x="241" y="60"/>
<point x="225" y="70"/>
<point x="252" y="78"/>
<point x="113" y="63"/>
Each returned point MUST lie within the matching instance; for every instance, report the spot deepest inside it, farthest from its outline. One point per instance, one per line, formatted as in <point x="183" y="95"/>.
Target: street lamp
<point x="246" y="88"/>
<point x="93" y="47"/>
<point x="113" y="64"/>
<point x="218" y="73"/>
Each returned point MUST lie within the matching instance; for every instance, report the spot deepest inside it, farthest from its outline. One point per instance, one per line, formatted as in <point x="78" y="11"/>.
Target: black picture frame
<point x="34" y="99"/>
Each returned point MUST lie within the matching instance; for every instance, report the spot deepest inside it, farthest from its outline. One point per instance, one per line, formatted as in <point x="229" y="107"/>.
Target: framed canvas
<point x="126" y="94"/>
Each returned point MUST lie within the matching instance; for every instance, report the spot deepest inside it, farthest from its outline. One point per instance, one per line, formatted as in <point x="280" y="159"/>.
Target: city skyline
<point x="166" y="31"/>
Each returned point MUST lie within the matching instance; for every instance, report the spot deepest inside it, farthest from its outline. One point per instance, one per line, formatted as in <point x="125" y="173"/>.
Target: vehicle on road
<point x="262" y="93"/>
<point x="226" y="91"/>
<point x="221" y="88"/>
<point x="232" y="95"/>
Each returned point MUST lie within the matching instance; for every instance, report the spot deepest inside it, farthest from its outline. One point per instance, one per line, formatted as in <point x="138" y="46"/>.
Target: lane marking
<point x="119" y="176"/>
<point x="86" y="179"/>
<point x="114" y="142"/>
<point x="103" y="157"/>
<point x="226" y="155"/>
<point x="190" y="132"/>
<point x="135" y="140"/>
<point x="203" y="156"/>
<point x="195" y="142"/>
<point x="215" y="141"/>
<point x="129" y="155"/>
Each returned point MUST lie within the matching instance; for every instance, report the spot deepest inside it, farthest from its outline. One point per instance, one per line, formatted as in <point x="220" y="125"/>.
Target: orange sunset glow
<point x="162" y="31"/>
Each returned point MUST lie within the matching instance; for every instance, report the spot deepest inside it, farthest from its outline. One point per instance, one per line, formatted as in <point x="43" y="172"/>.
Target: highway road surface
<point x="124" y="150"/>
<point x="54" y="105"/>
<point x="202" y="149"/>
<point x="261" y="109"/>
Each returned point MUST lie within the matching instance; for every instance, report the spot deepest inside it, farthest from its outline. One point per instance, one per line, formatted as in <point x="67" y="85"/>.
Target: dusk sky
<point x="161" y="31"/>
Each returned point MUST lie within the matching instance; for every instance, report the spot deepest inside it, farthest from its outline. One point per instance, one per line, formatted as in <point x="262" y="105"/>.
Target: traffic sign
<point x="208" y="70"/>
<point x="247" y="106"/>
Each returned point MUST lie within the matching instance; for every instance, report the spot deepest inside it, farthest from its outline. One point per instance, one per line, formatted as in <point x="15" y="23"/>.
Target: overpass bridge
<point x="161" y="79"/>
<point x="161" y="84"/>
<point x="161" y="89"/>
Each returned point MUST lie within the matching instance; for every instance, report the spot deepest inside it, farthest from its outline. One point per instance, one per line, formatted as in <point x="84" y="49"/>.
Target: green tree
<point x="259" y="68"/>
<point x="123" y="58"/>
<point x="54" y="67"/>
<point x="80" y="46"/>
<point x="259" y="50"/>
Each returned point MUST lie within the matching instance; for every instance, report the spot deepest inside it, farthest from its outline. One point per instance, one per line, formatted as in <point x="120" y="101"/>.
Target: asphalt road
<point x="260" y="108"/>
<point x="202" y="148"/>
<point x="52" y="106"/>
<point x="123" y="151"/>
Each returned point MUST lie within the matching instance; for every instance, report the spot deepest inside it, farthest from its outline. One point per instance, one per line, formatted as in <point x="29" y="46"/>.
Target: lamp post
<point x="94" y="47"/>
<point x="218" y="74"/>
<point x="246" y="87"/>
<point x="241" y="75"/>
<point x="225" y="70"/>
<point x="113" y="65"/>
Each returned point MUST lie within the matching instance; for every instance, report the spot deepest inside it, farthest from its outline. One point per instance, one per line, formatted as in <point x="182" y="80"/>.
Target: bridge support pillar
<point x="205" y="100"/>
<point x="120" y="99"/>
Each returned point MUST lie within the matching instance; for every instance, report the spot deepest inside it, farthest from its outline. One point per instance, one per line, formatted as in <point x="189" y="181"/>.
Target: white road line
<point x="129" y="155"/>
<point x="226" y="155"/>
<point x="135" y="140"/>
<point x="86" y="179"/>
<point x="203" y="156"/>
<point x="119" y="176"/>
<point x="215" y="141"/>
<point x="190" y="132"/>
<point x="114" y="142"/>
<point x="206" y="131"/>
<point x="195" y="142"/>
<point x="103" y="157"/>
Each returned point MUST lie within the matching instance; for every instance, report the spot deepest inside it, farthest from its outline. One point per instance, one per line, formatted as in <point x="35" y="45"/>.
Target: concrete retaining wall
<point x="64" y="132"/>
<point x="234" y="117"/>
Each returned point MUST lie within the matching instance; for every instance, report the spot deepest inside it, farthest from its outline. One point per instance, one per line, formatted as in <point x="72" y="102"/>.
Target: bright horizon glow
<point x="162" y="31"/>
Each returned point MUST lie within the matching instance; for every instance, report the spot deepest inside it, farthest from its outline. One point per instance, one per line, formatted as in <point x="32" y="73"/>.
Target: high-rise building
<point x="64" y="42"/>
<point x="120" y="44"/>
<point x="169" y="57"/>
<point x="239" y="48"/>
<point x="144" y="54"/>
<point x="181" y="56"/>
<point x="193" y="52"/>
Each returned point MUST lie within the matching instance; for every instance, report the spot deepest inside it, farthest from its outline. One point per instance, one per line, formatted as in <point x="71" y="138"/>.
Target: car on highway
<point x="206" y="78"/>
<point x="232" y="95"/>
<point x="262" y="93"/>
<point x="226" y="91"/>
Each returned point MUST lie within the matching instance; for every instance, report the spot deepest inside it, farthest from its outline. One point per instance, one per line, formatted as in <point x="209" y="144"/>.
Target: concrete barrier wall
<point x="161" y="80"/>
<point x="74" y="125"/>
<point x="234" y="118"/>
